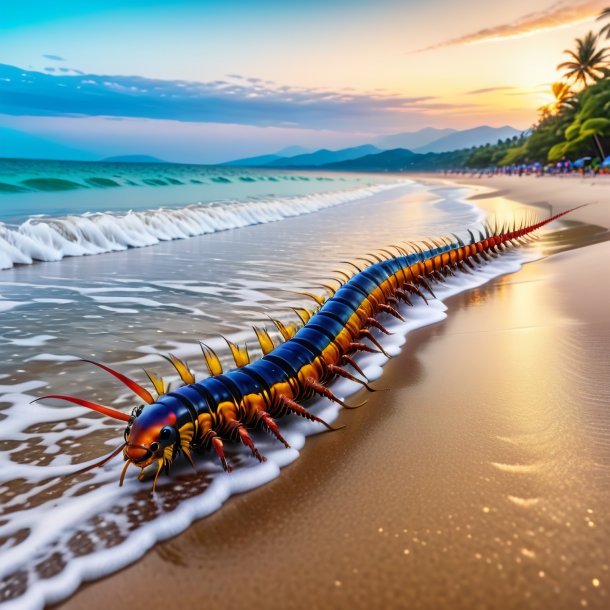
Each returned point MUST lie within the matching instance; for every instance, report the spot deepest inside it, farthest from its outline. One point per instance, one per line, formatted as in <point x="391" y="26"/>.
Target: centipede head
<point x="151" y="437"/>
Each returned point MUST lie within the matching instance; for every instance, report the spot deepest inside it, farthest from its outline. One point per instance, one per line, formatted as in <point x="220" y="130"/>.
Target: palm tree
<point x="563" y="96"/>
<point x="588" y="63"/>
<point x="605" y="14"/>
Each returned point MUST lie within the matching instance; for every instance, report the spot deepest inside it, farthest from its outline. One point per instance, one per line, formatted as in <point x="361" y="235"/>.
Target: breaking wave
<point x="51" y="239"/>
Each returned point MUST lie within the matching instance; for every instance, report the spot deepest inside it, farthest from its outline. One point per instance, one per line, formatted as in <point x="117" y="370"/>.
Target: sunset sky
<point x="208" y="81"/>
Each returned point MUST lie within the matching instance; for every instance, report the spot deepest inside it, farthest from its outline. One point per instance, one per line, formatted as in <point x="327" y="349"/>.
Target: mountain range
<point x="423" y="141"/>
<point x="19" y="144"/>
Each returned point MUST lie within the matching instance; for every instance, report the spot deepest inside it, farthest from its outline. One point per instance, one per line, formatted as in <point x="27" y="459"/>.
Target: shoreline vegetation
<point x="572" y="131"/>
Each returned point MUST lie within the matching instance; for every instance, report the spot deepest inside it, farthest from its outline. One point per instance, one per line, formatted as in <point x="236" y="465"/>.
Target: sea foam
<point x="137" y="520"/>
<point x="51" y="239"/>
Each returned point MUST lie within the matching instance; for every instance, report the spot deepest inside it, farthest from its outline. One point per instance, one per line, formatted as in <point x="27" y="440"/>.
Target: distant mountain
<point x="413" y="139"/>
<point x="22" y="145"/>
<point x="324" y="156"/>
<point x="259" y="161"/>
<point x="402" y="160"/>
<point x="397" y="159"/>
<point x="292" y="151"/>
<point x="133" y="159"/>
<point x="469" y="138"/>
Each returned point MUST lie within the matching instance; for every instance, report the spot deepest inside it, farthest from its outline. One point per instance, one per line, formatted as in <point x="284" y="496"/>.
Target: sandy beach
<point x="478" y="480"/>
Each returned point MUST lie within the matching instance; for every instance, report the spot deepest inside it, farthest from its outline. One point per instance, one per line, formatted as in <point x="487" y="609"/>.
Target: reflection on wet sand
<point x="474" y="482"/>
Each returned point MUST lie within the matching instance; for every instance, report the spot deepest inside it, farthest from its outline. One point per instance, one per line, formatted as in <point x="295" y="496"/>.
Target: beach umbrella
<point x="606" y="162"/>
<point x="581" y="162"/>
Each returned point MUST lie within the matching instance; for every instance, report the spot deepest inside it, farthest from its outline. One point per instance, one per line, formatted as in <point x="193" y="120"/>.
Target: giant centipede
<point x="224" y="406"/>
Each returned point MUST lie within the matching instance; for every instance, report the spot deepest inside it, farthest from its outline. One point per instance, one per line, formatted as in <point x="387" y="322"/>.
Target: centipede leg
<point x="415" y="290"/>
<point x="367" y="333"/>
<point x="393" y="312"/>
<point x="159" y="468"/>
<point x="246" y="439"/>
<point x="272" y="426"/>
<point x="220" y="452"/>
<point x="294" y="407"/>
<point x="377" y="324"/>
<point x="318" y="388"/>
<point x="337" y="370"/>
<point x="404" y="297"/>
<point x="345" y="359"/>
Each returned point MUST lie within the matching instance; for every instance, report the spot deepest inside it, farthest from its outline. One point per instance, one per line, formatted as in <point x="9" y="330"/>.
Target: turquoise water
<point x="57" y="188"/>
<point x="126" y="305"/>
<point x="53" y="209"/>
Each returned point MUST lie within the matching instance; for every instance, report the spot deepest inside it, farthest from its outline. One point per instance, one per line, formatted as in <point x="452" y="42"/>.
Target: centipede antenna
<point x="109" y="411"/>
<point x="143" y="393"/>
<point x="103" y="461"/>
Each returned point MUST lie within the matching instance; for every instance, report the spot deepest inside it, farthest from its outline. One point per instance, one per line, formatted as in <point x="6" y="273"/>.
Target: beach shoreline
<point x="474" y="481"/>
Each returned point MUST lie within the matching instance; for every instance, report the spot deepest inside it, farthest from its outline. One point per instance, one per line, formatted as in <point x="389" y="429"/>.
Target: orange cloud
<point x="560" y="14"/>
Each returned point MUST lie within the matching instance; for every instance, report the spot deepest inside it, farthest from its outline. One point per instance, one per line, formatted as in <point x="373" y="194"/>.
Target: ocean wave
<point x="51" y="239"/>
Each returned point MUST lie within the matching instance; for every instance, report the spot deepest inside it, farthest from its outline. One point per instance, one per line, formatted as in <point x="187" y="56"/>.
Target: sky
<point x="208" y="81"/>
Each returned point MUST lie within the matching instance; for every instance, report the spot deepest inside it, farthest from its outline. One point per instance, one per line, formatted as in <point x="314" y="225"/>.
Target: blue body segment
<point x="284" y="362"/>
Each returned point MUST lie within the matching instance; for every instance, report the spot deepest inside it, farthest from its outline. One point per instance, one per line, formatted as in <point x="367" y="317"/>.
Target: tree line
<point x="576" y="123"/>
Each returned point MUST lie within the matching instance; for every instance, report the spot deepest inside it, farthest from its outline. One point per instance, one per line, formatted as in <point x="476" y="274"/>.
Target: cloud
<point x="488" y="90"/>
<point x="243" y="102"/>
<point x="558" y="15"/>
<point x="54" y="57"/>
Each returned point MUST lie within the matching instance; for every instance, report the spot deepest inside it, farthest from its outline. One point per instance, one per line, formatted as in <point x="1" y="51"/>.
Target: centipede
<point x="226" y="406"/>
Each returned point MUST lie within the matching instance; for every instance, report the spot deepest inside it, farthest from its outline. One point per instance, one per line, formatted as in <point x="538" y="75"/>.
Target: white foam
<point x="51" y="239"/>
<point x="51" y="525"/>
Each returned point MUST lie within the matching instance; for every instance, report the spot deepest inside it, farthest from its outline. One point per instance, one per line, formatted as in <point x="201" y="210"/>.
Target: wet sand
<point x="479" y="480"/>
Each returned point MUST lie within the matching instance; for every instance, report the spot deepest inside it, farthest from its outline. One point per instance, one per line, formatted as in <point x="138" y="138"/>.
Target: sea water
<point x="127" y="304"/>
